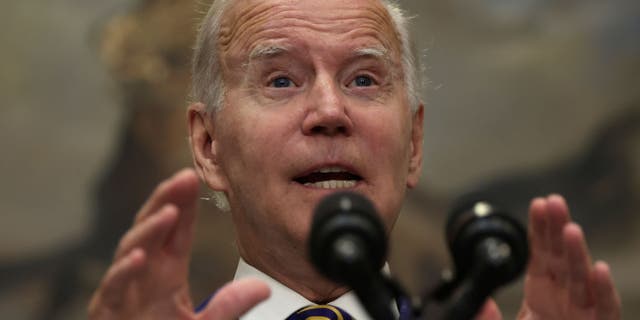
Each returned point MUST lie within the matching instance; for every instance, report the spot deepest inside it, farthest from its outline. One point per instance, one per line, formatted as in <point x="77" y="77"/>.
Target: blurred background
<point x="524" y="98"/>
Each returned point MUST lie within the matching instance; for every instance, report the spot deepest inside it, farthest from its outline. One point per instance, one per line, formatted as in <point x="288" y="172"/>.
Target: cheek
<point x="388" y="140"/>
<point x="253" y="142"/>
<point x="388" y="143"/>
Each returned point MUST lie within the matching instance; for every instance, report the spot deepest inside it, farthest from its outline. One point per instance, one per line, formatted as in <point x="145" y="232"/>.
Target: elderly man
<point x="298" y="99"/>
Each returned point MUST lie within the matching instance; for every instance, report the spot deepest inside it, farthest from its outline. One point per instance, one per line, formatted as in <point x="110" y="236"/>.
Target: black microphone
<point x="489" y="249"/>
<point x="348" y="244"/>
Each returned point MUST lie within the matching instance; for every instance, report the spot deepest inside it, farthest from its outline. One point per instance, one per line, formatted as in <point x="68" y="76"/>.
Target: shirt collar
<point x="284" y="301"/>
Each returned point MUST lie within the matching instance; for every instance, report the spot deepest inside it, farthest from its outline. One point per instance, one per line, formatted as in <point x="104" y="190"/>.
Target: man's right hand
<point x="148" y="276"/>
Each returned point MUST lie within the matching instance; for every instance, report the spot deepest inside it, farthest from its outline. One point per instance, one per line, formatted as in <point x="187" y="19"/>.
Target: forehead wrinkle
<point x="368" y="34"/>
<point x="366" y="20"/>
<point x="237" y="24"/>
<point x="250" y="23"/>
<point x="379" y="23"/>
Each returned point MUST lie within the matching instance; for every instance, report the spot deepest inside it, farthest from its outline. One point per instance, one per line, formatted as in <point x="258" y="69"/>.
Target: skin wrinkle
<point x="233" y="61"/>
<point x="232" y="27"/>
<point x="361" y="31"/>
<point x="268" y="55"/>
<point x="236" y="26"/>
<point x="377" y="53"/>
<point x="366" y="58"/>
<point x="215" y="100"/>
<point x="327" y="50"/>
<point x="265" y="54"/>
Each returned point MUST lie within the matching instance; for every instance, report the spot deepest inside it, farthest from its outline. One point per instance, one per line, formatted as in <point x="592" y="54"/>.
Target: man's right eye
<point x="281" y="82"/>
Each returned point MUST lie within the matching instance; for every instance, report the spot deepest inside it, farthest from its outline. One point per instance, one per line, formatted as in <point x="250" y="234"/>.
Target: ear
<point x="204" y="147"/>
<point x="415" y="160"/>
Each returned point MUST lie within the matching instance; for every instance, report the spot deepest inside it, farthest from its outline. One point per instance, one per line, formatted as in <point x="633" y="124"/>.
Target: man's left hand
<point x="561" y="281"/>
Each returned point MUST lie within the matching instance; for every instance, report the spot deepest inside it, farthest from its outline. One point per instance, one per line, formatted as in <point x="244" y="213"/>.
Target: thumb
<point x="489" y="311"/>
<point x="235" y="299"/>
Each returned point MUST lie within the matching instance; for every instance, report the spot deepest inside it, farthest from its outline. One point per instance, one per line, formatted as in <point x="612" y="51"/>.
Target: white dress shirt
<point x="284" y="301"/>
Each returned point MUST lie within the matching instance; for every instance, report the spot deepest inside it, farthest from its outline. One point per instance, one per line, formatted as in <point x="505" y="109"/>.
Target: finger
<point x="114" y="284"/>
<point x="177" y="189"/>
<point x="182" y="236"/>
<point x="606" y="297"/>
<point x="558" y="216"/>
<point x="235" y="299"/>
<point x="538" y="239"/>
<point x="578" y="266"/>
<point x="150" y="234"/>
<point x="489" y="311"/>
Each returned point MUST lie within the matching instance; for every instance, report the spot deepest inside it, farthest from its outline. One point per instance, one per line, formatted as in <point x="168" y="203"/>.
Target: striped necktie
<point x="320" y="312"/>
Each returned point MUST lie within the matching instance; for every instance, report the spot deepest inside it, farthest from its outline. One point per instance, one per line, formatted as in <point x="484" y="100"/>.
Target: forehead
<point x="251" y="23"/>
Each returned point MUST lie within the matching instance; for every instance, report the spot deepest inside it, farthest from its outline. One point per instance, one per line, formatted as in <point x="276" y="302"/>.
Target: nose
<point x="327" y="112"/>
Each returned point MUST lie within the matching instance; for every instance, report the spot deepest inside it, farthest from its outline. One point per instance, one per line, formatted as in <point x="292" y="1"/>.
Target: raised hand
<point x="148" y="277"/>
<point x="561" y="281"/>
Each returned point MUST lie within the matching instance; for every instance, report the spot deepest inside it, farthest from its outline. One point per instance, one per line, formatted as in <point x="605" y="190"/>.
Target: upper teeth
<point x="332" y="169"/>
<point x="332" y="184"/>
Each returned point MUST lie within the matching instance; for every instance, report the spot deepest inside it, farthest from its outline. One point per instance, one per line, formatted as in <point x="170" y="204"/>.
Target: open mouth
<point x="329" y="178"/>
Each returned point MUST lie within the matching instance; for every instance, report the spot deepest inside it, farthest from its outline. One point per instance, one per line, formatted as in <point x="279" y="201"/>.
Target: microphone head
<point x="472" y="223"/>
<point x="347" y="235"/>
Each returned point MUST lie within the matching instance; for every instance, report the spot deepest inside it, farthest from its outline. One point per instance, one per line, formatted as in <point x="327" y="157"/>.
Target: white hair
<point x="208" y="84"/>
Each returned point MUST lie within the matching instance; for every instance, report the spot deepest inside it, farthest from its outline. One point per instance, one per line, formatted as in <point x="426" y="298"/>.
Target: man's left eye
<point x="362" y="81"/>
<point x="281" y="82"/>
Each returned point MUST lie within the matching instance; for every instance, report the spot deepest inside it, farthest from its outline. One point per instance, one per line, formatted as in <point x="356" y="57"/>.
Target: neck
<point x="293" y="269"/>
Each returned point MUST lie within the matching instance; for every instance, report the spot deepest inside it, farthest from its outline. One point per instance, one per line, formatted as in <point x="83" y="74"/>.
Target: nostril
<point x="341" y="130"/>
<point x="330" y="130"/>
<point x="327" y="120"/>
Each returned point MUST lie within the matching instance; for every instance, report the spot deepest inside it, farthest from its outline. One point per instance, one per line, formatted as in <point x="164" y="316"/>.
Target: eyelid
<point x="275" y="75"/>
<point x="376" y="81"/>
<point x="377" y="69"/>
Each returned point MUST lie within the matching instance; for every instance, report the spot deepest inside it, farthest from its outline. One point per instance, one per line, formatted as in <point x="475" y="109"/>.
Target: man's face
<point x="315" y="103"/>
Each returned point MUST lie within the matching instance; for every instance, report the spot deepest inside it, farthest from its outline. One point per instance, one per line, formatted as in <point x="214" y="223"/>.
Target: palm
<point x="550" y="306"/>
<point x="160" y="290"/>
<point x="561" y="282"/>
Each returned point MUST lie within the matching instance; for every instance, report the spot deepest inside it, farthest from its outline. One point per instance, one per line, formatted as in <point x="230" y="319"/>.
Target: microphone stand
<point x="492" y="256"/>
<point x="369" y="286"/>
<point x="490" y="249"/>
<point x="348" y="245"/>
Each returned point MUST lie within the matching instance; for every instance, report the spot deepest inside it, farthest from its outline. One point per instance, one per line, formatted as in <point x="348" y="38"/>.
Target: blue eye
<point x="281" y="82"/>
<point x="363" y="81"/>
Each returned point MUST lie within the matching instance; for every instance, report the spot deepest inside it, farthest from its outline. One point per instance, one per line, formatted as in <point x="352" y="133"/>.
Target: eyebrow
<point x="376" y="52"/>
<point x="274" y="50"/>
<point x="266" y="51"/>
<point x="271" y="51"/>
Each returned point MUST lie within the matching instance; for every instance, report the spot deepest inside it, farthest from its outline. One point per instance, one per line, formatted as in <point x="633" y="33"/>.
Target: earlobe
<point x="203" y="145"/>
<point x="415" y="160"/>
